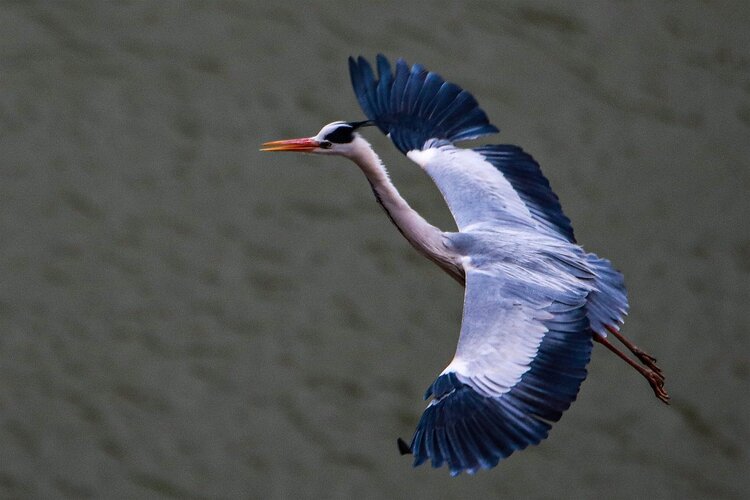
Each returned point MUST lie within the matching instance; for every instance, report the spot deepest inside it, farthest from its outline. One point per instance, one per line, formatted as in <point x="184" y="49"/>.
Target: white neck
<point x="422" y="235"/>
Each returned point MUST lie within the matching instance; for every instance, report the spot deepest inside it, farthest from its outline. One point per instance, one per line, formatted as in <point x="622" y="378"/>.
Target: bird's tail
<point x="606" y="306"/>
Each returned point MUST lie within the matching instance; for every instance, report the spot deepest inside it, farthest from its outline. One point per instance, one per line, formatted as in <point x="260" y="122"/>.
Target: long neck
<point x="422" y="235"/>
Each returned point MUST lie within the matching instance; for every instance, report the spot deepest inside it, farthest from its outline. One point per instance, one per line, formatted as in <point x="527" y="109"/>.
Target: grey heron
<point x="534" y="299"/>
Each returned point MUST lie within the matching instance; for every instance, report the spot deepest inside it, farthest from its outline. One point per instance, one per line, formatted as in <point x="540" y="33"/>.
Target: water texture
<point x="182" y="316"/>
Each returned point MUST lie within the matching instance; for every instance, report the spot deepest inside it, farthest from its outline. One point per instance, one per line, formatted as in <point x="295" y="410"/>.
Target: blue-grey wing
<point x="421" y="112"/>
<point x="494" y="186"/>
<point x="414" y="105"/>
<point x="520" y="361"/>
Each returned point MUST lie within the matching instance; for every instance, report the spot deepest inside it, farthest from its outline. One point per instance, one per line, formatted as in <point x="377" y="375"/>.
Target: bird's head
<point x="337" y="138"/>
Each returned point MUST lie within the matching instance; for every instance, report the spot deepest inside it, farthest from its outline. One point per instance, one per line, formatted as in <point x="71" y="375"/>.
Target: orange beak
<point x="303" y="145"/>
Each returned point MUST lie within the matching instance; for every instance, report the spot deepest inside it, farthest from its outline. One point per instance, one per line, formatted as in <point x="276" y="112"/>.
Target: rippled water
<point x="182" y="316"/>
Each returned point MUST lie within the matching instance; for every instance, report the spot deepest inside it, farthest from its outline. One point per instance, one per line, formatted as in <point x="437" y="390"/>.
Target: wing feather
<point x="434" y="105"/>
<point x="518" y="366"/>
<point x="419" y="111"/>
<point x="473" y="189"/>
<point x="494" y="186"/>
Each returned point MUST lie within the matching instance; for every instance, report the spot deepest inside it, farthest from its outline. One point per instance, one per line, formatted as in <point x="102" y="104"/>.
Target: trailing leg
<point x="639" y="353"/>
<point x="654" y="378"/>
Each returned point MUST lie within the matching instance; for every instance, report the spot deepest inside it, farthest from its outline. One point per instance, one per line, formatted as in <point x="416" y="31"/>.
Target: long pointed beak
<point x="306" y="144"/>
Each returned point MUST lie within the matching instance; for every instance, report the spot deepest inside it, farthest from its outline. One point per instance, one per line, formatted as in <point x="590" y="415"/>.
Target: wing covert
<point x="524" y="175"/>
<point x="494" y="185"/>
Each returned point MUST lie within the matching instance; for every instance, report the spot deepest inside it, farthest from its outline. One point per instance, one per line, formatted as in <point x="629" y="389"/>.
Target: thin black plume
<point x="365" y="123"/>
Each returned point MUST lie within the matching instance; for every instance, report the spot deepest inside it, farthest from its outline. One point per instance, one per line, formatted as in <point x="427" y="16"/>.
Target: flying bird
<point x="534" y="299"/>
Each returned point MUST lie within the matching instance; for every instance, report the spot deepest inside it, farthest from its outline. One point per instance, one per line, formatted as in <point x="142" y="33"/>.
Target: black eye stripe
<point x="341" y="135"/>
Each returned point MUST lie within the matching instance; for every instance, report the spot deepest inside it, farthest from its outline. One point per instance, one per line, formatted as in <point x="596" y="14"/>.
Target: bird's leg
<point x="654" y="378"/>
<point x="642" y="355"/>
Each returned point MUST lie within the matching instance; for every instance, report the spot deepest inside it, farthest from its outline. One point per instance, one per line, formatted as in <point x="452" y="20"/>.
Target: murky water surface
<point x="183" y="316"/>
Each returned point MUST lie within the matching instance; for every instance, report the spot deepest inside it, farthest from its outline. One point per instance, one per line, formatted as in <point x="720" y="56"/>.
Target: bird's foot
<point x="656" y="380"/>
<point x="648" y="369"/>
<point x="647" y="360"/>
<point x="642" y="356"/>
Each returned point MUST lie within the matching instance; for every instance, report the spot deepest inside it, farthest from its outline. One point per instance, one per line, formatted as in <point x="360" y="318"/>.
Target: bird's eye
<point x="325" y="144"/>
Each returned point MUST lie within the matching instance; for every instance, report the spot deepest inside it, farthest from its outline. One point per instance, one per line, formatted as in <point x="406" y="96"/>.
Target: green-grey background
<point x="183" y="316"/>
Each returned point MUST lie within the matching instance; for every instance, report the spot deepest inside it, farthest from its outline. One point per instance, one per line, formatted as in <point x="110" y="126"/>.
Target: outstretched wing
<point x="520" y="361"/>
<point x="414" y="106"/>
<point x="424" y="115"/>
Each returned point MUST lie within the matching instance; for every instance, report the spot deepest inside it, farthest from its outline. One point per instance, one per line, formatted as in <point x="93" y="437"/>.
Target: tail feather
<point x="608" y="304"/>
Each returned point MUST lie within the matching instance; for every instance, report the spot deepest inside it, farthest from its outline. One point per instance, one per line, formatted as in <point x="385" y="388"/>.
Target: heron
<point x="535" y="301"/>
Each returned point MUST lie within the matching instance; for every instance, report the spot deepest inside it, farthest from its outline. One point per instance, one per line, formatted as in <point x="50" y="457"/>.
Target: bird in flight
<point x="534" y="299"/>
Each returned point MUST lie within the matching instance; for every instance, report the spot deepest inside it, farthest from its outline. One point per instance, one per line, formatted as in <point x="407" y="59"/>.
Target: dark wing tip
<point x="403" y="448"/>
<point x="468" y="430"/>
<point x="414" y="105"/>
<point x="527" y="179"/>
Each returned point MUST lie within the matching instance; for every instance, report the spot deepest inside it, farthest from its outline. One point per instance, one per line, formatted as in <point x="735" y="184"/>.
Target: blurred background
<point x="182" y="316"/>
